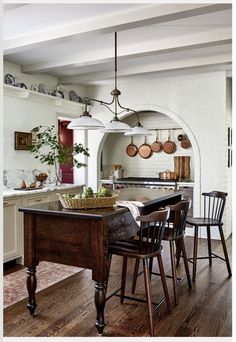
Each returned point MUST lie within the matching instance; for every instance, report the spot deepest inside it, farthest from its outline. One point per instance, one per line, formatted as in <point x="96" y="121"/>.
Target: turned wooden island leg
<point x="100" y="300"/>
<point x="31" y="287"/>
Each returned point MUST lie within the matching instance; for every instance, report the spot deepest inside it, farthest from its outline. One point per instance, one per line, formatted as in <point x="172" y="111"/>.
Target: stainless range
<point x="144" y="182"/>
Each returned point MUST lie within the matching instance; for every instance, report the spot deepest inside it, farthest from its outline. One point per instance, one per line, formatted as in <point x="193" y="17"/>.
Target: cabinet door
<point x="35" y="199"/>
<point x="12" y="229"/>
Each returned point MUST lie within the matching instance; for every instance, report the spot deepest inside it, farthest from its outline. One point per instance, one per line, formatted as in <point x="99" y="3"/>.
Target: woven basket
<point x="89" y="203"/>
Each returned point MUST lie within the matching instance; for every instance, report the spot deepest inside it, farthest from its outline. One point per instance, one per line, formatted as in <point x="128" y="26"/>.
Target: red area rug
<point x="48" y="273"/>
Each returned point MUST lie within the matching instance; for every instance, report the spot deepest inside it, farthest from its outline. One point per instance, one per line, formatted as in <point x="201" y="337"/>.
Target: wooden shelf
<point x="22" y="93"/>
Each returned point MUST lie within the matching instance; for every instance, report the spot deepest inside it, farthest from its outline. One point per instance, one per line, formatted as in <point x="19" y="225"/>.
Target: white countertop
<point x="47" y="188"/>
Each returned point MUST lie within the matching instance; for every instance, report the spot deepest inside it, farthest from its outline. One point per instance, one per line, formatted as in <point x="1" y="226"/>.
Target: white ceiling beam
<point x="144" y="69"/>
<point x="119" y="22"/>
<point x="205" y="39"/>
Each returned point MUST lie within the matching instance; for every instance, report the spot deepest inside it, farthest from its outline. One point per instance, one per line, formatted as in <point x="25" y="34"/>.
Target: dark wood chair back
<point x="152" y="230"/>
<point x="177" y="219"/>
<point x="214" y="204"/>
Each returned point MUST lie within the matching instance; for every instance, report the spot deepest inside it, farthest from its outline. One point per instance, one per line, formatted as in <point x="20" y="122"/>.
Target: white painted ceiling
<point x="75" y="42"/>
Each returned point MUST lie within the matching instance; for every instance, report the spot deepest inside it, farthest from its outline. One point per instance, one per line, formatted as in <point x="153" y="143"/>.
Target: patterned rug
<point x="48" y="273"/>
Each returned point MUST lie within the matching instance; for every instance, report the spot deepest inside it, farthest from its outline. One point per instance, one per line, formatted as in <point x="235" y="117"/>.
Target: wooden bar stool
<point x="174" y="233"/>
<point x="214" y="204"/>
<point x="143" y="249"/>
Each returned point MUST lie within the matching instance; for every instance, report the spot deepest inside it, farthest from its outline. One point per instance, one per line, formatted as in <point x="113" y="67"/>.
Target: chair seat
<point x="131" y="248"/>
<point x="200" y="221"/>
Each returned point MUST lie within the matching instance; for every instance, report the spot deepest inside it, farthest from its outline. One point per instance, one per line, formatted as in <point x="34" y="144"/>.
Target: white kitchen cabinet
<point x="13" y="225"/>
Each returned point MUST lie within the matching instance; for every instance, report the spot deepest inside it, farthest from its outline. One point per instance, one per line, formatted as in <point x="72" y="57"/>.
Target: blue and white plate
<point x="74" y="97"/>
<point x="9" y="79"/>
<point x="58" y="93"/>
<point x="21" y="85"/>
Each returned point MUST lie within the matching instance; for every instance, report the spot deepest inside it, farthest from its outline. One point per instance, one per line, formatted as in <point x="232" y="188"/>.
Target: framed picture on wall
<point x="23" y="140"/>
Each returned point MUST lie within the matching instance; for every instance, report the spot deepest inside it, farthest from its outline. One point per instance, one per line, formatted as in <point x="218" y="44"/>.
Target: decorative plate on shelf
<point x="74" y="97"/>
<point x="34" y="87"/>
<point x="21" y="85"/>
<point x="9" y="79"/>
<point x="58" y="93"/>
<point x="42" y="88"/>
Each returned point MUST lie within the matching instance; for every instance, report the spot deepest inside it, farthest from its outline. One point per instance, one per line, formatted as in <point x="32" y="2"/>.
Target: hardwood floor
<point x="67" y="308"/>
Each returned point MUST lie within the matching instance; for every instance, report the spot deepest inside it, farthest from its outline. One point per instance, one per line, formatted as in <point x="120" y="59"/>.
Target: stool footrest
<point x="157" y="305"/>
<point x="180" y="280"/>
<point x="207" y="257"/>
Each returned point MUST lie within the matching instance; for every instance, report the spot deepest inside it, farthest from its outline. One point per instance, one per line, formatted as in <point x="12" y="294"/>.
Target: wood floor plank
<point x="67" y="308"/>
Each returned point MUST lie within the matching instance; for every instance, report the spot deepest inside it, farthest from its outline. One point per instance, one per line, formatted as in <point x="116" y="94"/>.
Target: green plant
<point x="49" y="150"/>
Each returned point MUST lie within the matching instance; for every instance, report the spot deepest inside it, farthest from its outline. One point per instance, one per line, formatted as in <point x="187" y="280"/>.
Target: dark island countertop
<point x="149" y="199"/>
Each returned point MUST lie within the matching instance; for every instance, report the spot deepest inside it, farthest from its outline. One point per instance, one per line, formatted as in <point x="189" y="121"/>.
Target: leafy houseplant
<point x="49" y="150"/>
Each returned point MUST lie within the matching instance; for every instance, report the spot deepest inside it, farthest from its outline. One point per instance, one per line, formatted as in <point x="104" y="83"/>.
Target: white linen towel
<point x="132" y="206"/>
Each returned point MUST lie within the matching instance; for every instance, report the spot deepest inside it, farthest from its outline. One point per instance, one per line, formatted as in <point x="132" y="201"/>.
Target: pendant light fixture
<point x="86" y="121"/>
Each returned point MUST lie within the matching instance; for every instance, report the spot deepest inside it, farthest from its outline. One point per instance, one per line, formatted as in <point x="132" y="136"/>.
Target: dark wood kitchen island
<point x="80" y="237"/>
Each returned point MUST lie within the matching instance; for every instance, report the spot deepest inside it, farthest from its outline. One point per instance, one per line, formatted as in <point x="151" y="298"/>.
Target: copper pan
<point x="169" y="146"/>
<point x="132" y="149"/>
<point x="157" y="145"/>
<point x="185" y="143"/>
<point x="145" y="150"/>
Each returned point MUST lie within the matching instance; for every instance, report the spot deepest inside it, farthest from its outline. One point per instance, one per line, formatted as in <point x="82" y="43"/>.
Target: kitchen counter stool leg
<point x="209" y="244"/>
<point x="225" y="250"/>
<point x="195" y="253"/>
<point x="173" y="268"/>
<point x="135" y="276"/>
<point x="123" y="279"/>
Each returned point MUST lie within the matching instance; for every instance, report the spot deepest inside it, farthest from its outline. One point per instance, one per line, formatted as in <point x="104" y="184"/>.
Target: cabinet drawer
<point x="35" y="199"/>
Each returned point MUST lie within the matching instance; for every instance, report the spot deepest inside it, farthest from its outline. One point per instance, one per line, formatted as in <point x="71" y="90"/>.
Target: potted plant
<point x="49" y="150"/>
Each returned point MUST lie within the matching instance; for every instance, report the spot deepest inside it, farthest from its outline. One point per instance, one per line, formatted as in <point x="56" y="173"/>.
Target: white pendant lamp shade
<point x="138" y="131"/>
<point x="85" y="122"/>
<point x="116" y="126"/>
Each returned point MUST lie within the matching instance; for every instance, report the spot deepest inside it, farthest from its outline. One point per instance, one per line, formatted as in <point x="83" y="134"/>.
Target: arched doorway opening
<point x="195" y="147"/>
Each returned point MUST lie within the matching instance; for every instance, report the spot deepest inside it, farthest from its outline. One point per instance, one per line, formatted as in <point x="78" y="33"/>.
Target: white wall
<point x="198" y="103"/>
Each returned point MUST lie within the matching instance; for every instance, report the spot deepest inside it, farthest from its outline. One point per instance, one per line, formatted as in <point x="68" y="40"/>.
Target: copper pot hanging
<point x="157" y="145"/>
<point x="145" y="150"/>
<point x="169" y="146"/>
<point x="185" y="143"/>
<point x="132" y="149"/>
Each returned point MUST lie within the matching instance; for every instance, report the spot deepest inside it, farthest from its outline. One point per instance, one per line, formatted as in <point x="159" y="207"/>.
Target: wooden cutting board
<point x="182" y="167"/>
